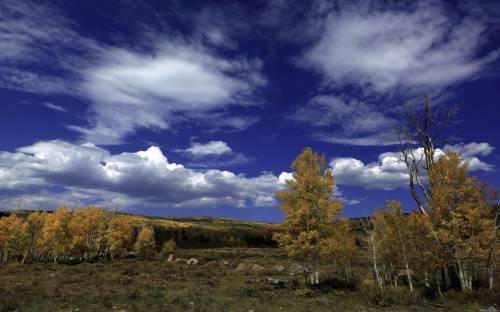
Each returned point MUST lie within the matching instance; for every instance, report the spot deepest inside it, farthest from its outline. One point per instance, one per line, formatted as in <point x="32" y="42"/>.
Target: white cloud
<point x="148" y="88"/>
<point x="145" y="178"/>
<point x="354" y="122"/>
<point x="208" y="149"/>
<point x="55" y="107"/>
<point x="418" y="48"/>
<point x="472" y="149"/>
<point x="129" y="89"/>
<point x="389" y="172"/>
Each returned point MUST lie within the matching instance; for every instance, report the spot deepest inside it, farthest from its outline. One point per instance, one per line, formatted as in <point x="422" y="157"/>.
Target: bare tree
<point x="425" y="129"/>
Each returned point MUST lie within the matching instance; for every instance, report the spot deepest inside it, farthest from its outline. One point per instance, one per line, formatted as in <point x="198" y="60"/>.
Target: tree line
<point x="85" y="234"/>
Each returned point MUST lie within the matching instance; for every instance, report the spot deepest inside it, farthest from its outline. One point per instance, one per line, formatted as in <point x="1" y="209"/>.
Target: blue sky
<point x="198" y="108"/>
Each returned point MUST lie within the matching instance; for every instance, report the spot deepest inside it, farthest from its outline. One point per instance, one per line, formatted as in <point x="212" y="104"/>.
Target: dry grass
<point x="134" y="285"/>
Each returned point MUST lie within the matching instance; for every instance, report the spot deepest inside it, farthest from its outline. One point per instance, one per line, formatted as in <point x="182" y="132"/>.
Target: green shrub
<point x="394" y="296"/>
<point x="304" y="293"/>
<point x="168" y="248"/>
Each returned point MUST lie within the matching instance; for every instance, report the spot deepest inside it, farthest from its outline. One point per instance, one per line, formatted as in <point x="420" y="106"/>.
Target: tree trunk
<point x="438" y="284"/>
<point x="375" y="267"/>
<point x="464" y="276"/>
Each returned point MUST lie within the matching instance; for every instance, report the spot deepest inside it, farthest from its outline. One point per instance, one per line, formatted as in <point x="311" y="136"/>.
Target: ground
<point x="156" y="285"/>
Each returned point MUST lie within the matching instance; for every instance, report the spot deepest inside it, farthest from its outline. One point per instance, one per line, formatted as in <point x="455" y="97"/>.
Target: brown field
<point x="156" y="285"/>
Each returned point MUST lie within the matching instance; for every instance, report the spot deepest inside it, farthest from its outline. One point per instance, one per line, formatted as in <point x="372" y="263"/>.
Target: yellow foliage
<point x="145" y="244"/>
<point x="309" y="208"/>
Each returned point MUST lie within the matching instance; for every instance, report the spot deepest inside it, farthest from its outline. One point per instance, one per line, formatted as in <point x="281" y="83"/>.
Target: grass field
<point x="156" y="285"/>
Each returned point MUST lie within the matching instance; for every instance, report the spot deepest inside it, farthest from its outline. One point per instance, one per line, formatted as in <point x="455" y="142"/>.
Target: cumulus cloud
<point x="389" y="171"/>
<point x="381" y="48"/>
<point x="145" y="176"/>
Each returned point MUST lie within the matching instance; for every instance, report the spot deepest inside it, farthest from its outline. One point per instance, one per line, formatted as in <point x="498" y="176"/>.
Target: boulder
<point x="278" y="268"/>
<point x="257" y="268"/>
<point x="224" y="264"/>
<point x="181" y="261"/>
<point x="192" y="261"/>
<point x="211" y="263"/>
<point x="171" y="258"/>
<point x="297" y="269"/>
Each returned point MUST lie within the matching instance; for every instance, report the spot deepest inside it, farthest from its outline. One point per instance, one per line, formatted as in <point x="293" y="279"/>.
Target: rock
<point x="192" y="261"/>
<point x="171" y="258"/>
<point x="181" y="261"/>
<point x="241" y="267"/>
<point x="323" y="300"/>
<point x="277" y="282"/>
<point x="278" y="268"/>
<point x="130" y="254"/>
<point x="211" y="263"/>
<point x="297" y="269"/>
<point x="257" y="268"/>
<point x="224" y="264"/>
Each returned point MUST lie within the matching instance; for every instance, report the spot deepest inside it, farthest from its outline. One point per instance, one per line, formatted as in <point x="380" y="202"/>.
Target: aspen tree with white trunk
<point x="309" y="211"/>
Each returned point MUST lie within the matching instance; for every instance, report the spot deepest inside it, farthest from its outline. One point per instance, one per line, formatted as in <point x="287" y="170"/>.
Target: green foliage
<point x="168" y="248"/>
<point x="394" y="296"/>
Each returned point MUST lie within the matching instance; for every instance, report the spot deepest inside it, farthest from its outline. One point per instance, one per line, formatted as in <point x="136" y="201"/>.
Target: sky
<point x="198" y="108"/>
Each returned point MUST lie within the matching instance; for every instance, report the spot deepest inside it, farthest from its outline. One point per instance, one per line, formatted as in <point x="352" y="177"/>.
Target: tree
<point x="460" y="216"/>
<point x="36" y="223"/>
<point x="309" y="210"/>
<point x="392" y="228"/>
<point x="168" y="247"/>
<point x="341" y="243"/>
<point x="57" y="234"/>
<point x="13" y="238"/>
<point x="427" y="129"/>
<point x="88" y="228"/>
<point x="145" y="244"/>
<point x="423" y="249"/>
<point x="119" y="235"/>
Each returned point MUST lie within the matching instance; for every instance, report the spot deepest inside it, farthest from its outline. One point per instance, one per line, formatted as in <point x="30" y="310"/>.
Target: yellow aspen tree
<point x="424" y="250"/>
<point x="3" y="239"/>
<point x="57" y="234"/>
<point x="397" y="225"/>
<point x="309" y="210"/>
<point x="341" y="244"/>
<point x="119" y="236"/>
<point x="88" y="227"/>
<point x="36" y="221"/>
<point x="460" y="216"/>
<point x="145" y="244"/>
<point x="14" y="240"/>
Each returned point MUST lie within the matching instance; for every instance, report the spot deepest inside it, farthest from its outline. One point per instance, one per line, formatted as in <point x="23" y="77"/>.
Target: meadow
<point x="217" y="283"/>
<point x="157" y="285"/>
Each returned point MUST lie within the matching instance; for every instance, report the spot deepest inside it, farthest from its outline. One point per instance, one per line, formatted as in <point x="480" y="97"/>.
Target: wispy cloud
<point x="208" y="149"/>
<point x="338" y="120"/>
<point x="386" y="54"/>
<point x="383" y="48"/>
<point x="149" y="84"/>
<point x="55" y="107"/>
